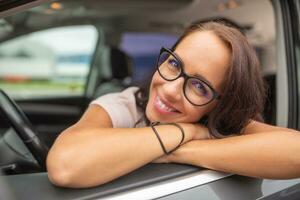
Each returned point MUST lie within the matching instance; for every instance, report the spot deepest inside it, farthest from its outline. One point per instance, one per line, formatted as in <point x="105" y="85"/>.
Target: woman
<point x="203" y="108"/>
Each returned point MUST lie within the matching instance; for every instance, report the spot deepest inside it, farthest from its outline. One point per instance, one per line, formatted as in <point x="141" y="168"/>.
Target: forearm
<point x="91" y="157"/>
<point x="274" y="155"/>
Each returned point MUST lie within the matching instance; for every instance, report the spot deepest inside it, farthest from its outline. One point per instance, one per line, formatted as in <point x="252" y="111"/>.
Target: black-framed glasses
<point x="196" y="90"/>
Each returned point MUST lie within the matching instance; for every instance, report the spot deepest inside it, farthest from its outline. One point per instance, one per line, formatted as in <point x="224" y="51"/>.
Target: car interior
<point x="125" y="40"/>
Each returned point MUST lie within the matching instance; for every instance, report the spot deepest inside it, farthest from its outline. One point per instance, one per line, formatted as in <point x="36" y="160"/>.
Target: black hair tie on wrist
<point x="153" y="124"/>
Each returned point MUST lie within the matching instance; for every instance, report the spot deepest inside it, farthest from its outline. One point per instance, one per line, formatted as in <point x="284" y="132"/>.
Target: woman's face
<point x="202" y="53"/>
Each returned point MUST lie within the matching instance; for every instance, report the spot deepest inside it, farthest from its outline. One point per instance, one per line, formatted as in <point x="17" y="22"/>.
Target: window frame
<point x="288" y="13"/>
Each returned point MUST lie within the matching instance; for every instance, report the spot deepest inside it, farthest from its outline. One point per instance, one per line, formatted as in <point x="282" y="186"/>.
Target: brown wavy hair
<point x="243" y="94"/>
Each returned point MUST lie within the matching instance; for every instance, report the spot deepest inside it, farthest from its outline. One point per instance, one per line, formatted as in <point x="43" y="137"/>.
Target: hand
<point x="201" y="132"/>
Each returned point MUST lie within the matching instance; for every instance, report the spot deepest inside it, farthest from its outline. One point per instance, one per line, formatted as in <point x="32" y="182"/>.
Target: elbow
<point x="63" y="177"/>
<point x="59" y="164"/>
<point x="68" y="167"/>
<point x="297" y="167"/>
<point x="60" y="178"/>
<point x="64" y="172"/>
<point x="59" y="173"/>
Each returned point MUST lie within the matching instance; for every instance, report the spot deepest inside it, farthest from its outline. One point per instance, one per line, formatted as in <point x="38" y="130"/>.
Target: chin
<point x="150" y="115"/>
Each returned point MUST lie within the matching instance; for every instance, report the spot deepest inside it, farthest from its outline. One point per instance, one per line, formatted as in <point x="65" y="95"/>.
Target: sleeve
<point x="121" y="107"/>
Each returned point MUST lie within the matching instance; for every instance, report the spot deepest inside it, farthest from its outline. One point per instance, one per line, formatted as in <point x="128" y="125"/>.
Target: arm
<point x="262" y="151"/>
<point x="91" y="152"/>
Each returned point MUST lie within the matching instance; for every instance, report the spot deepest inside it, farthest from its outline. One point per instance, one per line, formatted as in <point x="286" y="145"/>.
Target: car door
<point x="171" y="181"/>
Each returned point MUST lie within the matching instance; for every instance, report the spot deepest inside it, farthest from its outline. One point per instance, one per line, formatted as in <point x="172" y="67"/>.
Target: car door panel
<point x="145" y="182"/>
<point x="50" y="116"/>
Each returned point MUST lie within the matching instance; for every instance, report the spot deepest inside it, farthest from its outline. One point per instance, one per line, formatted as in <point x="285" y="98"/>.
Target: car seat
<point x="121" y="73"/>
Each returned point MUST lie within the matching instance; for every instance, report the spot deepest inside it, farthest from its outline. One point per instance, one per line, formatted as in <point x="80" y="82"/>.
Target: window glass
<point x="144" y="48"/>
<point x="53" y="62"/>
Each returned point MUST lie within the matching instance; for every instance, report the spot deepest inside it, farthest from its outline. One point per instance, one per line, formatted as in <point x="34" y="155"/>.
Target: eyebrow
<point x="204" y="79"/>
<point x="194" y="75"/>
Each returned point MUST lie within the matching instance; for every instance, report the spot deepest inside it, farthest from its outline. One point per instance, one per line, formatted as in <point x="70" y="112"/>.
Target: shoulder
<point x="126" y="93"/>
<point x="121" y="107"/>
<point x="126" y="97"/>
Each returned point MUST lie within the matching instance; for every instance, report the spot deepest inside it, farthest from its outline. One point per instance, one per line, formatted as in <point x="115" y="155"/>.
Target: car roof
<point x="169" y="16"/>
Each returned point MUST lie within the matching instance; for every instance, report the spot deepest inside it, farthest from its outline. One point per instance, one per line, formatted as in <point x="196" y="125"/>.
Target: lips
<point x="164" y="107"/>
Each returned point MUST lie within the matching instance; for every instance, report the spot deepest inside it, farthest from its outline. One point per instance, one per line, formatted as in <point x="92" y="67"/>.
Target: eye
<point x="174" y="63"/>
<point x="200" y="87"/>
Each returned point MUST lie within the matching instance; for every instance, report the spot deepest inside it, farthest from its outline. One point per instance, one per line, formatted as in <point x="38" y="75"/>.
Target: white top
<point x="121" y="108"/>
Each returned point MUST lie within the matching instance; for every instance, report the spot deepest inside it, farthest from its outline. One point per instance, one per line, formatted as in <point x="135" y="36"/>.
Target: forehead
<point x="204" y="53"/>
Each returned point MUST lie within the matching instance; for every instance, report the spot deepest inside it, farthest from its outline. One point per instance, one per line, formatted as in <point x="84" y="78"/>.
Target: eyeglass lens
<point x="195" y="90"/>
<point x="169" y="66"/>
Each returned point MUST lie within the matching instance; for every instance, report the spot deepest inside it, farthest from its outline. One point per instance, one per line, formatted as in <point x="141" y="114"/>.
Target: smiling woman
<point x="205" y="96"/>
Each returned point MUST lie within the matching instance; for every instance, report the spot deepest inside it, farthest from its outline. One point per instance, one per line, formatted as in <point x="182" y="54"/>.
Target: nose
<point x="173" y="90"/>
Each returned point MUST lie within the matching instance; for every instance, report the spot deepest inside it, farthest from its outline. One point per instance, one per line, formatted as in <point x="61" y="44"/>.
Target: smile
<point x="163" y="108"/>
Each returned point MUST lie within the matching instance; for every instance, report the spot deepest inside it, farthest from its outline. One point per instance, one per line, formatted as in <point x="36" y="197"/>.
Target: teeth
<point x="164" y="106"/>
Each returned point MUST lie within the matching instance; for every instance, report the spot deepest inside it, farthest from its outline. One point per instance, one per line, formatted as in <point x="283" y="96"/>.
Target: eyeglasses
<point x="196" y="90"/>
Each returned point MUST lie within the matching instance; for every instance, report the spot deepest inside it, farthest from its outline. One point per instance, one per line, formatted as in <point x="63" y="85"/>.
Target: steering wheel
<point x="24" y="129"/>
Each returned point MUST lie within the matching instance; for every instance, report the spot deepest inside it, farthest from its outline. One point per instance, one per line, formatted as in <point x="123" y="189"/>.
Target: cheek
<point x="156" y="80"/>
<point x="195" y="114"/>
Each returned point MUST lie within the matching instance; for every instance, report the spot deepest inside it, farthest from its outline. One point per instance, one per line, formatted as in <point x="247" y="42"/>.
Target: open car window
<point x="48" y="63"/>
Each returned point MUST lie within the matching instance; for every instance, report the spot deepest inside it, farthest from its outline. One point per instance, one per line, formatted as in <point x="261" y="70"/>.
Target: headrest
<point x="121" y="64"/>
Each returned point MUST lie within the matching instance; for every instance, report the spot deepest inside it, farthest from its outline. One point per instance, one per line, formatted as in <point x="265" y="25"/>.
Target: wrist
<point x="189" y="130"/>
<point x="181" y="154"/>
<point x="169" y="125"/>
<point x="201" y="133"/>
